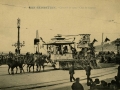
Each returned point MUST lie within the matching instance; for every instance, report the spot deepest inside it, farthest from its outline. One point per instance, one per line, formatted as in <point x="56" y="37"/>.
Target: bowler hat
<point x="97" y="81"/>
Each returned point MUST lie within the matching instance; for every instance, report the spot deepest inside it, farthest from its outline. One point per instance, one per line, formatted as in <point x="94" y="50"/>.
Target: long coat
<point x="118" y="74"/>
<point x="88" y="70"/>
<point x="71" y="70"/>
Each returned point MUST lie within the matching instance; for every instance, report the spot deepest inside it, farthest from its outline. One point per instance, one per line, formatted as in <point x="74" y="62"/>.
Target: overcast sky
<point x="67" y="17"/>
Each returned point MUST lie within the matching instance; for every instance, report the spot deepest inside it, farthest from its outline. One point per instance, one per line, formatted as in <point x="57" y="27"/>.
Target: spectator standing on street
<point x="71" y="72"/>
<point x="88" y="72"/>
<point x="77" y="85"/>
<point x="118" y="74"/>
<point x="97" y="85"/>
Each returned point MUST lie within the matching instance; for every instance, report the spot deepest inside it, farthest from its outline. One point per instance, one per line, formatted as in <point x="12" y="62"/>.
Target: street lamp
<point x="18" y="44"/>
<point x="18" y="23"/>
<point x="117" y="43"/>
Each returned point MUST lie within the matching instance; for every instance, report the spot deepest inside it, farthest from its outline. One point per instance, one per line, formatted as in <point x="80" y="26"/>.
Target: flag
<point x="73" y="39"/>
<point x="42" y="40"/>
<point x="106" y="39"/>
<point x="95" y="40"/>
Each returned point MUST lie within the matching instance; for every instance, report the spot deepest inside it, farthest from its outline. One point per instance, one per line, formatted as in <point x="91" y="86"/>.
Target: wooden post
<point x="102" y="42"/>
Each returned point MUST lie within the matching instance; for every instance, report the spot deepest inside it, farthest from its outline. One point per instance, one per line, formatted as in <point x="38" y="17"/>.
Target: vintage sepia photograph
<point x="59" y="45"/>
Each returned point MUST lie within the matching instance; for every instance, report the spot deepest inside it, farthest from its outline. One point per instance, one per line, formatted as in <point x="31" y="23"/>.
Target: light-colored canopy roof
<point x="61" y="42"/>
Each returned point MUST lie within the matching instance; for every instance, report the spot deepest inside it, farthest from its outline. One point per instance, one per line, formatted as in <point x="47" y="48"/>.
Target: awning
<point x="59" y="43"/>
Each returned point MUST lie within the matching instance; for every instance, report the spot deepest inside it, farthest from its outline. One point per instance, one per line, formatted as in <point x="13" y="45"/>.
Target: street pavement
<point x="50" y="79"/>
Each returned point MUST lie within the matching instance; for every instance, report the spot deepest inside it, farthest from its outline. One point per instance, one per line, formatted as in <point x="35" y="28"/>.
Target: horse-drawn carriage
<point x="63" y="53"/>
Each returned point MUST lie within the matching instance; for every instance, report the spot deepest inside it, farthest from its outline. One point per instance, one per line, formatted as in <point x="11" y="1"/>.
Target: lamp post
<point x="18" y="44"/>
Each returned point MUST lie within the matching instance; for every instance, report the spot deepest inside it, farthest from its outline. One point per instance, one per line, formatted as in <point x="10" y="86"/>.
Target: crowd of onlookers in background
<point x="108" y="56"/>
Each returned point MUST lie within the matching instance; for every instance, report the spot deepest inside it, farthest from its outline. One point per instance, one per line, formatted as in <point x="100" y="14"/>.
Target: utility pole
<point x="117" y="43"/>
<point x="102" y="42"/>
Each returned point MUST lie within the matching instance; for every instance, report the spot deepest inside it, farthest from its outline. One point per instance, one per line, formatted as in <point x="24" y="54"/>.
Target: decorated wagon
<point x="63" y="53"/>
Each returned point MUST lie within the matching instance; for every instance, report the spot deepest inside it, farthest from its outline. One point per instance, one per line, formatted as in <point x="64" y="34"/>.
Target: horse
<point x="30" y="60"/>
<point x="13" y="63"/>
<point x="40" y="62"/>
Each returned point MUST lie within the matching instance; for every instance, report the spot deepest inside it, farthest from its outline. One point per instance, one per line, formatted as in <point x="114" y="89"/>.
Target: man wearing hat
<point x="118" y="73"/>
<point x="97" y="84"/>
<point x="71" y="72"/>
<point x="88" y="72"/>
<point x="77" y="85"/>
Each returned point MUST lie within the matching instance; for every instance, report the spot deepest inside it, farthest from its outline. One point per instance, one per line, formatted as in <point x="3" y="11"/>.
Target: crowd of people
<point x="104" y="85"/>
<point x="108" y="56"/>
<point x="96" y="84"/>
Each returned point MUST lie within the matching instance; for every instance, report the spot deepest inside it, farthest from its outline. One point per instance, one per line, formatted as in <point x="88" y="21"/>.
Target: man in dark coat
<point x="118" y="74"/>
<point x="88" y="71"/>
<point x="71" y="72"/>
<point x="77" y="85"/>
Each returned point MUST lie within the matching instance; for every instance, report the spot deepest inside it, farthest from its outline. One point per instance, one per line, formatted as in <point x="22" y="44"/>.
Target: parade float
<point x="62" y="52"/>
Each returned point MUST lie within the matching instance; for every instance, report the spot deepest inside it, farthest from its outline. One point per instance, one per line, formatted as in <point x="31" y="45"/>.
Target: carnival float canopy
<point x="59" y="40"/>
